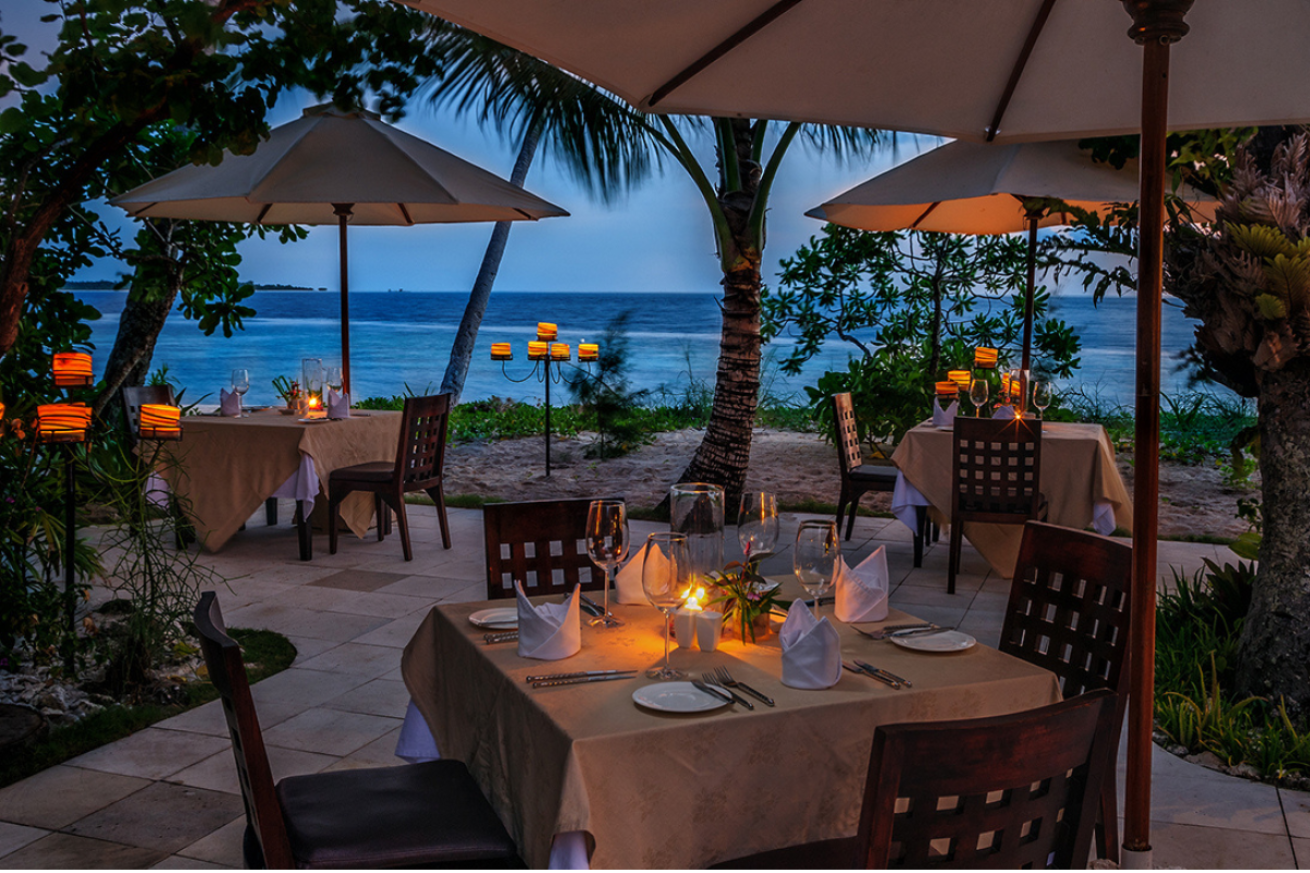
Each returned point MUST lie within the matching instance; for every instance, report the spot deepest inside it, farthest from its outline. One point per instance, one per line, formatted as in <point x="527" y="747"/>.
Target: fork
<point x="895" y="628"/>
<point x="726" y="680"/>
<point x="711" y="680"/>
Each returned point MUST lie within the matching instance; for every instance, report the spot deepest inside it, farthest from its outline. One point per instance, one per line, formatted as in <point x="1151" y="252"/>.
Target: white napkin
<point x="944" y="417"/>
<point x="550" y="631"/>
<point x="627" y="582"/>
<point x="1003" y="412"/>
<point x="229" y="402"/>
<point x="811" y="650"/>
<point x="862" y="592"/>
<point x="338" y="404"/>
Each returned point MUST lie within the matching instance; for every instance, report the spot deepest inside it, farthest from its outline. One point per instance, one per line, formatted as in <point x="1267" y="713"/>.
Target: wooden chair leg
<point x="438" y="496"/>
<point x="841" y="507"/>
<point x="957" y="535"/>
<point x="854" y="510"/>
<point x="270" y="511"/>
<point x="383" y="515"/>
<point x="304" y="532"/>
<point x="920" y="525"/>
<point x="403" y="524"/>
<point x="1107" y="821"/>
<point x="333" y="503"/>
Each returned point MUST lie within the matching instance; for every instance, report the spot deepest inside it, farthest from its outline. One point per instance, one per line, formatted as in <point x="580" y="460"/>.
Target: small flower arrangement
<point x="288" y="390"/>
<point x="745" y="595"/>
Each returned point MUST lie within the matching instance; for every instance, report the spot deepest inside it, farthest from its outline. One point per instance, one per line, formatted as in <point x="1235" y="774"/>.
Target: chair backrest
<point x="228" y="674"/>
<point x="1069" y="608"/>
<point x="133" y="399"/>
<point x="1007" y="792"/>
<point x="541" y="543"/>
<point x="422" y="452"/>
<point x="997" y="466"/>
<point x="848" y="435"/>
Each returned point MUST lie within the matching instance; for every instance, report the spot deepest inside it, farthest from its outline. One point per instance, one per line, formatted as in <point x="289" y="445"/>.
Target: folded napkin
<point x="627" y="582"/>
<point x="1003" y="412"/>
<point x="944" y="417"/>
<point x="338" y="404"/>
<point x="229" y="402"/>
<point x="550" y="631"/>
<point x="811" y="650"/>
<point x="862" y="591"/>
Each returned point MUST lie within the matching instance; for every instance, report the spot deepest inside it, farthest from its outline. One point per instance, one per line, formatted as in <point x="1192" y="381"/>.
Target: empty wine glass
<point x="666" y="579"/>
<point x="607" y="545"/>
<point x="815" y="562"/>
<point x="333" y="378"/>
<point x="240" y="384"/>
<point x="978" y="395"/>
<point x="1042" y="393"/>
<point x="757" y="525"/>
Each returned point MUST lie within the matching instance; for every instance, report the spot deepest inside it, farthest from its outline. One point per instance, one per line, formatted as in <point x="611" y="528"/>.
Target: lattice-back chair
<point x="1009" y="792"/>
<point x="1069" y="613"/>
<point x="859" y="478"/>
<point x="134" y="397"/>
<point x="540" y="543"/>
<point x="996" y="467"/>
<point x="430" y="814"/>
<point x="420" y="458"/>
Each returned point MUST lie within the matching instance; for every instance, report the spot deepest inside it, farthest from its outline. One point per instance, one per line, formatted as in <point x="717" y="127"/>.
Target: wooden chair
<point x="859" y="478"/>
<point x="430" y="814"/>
<point x="1006" y="792"/>
<point x="996" y="466"/>
<point x="540" y="543"/>
<point x="1069" y="613"/>
<point x="418" y="465"/>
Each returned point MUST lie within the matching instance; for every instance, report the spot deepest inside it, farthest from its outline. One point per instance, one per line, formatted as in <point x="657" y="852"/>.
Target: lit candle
<point x="984" y="358"/>
<point x="538" y="350"/>
<point x="501" y="352"/>
<point x="160" y="422"/>
<point x="960" y="377"/>
<point x="947" y="389"/>
<point x="72" y="369"/>
<point x="559" y="351"/>
<point x="62" y="422"/>
<point x="684" y="619"/>
<point x="588" y="351"/>
<point x="547" y="331"/>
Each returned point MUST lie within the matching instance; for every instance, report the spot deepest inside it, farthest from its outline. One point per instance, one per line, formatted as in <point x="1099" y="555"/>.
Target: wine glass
<point x="815" y="561"/>
<point x="240" y="384"/>
<point x="978" y="395"/>
<point x="757" y="525"/>
<point x="1042" y="393"/>
<point x="333" y="379"/>
<point x="666" y="579"/>
<point x="607" y="544"/>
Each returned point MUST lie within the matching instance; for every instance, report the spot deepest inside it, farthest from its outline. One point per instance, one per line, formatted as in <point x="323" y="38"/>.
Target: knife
<point x="580" y="673"/>
<point x="579" y="680"/>
<point x="863" y="666"/>
<point x="881" y="678"/>
<point x="710" y="691"/>
<point x="736" y="698"/>
<point x="502" y="637"/>
<point x="922" y="631"/>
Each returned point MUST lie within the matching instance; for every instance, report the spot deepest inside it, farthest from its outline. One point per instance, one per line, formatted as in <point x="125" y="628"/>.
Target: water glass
<point x="815" y="562"/>
<point x="696" y="510"/>
<point x="978" y="395"/>
<point x="666" y="579"/>
<point x="607" y="545"/>
<point x="757" y="525"/>
<point x="1042" y="393"/>
<point x="333" y="378"/>
<point x="240" y="384"/>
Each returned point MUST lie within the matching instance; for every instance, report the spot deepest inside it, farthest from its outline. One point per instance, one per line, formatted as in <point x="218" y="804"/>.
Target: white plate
<point x="313" y="420"/>
<point x="676" y="697"/>
<point x="945" y="641"/>
<point x="499" y="617"/>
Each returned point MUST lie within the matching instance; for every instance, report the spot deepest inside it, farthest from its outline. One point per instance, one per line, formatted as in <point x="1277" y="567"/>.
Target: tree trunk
<point x="1274" y="652"/>
<point x="143" y="318"/>
<point x="461" y="352"/>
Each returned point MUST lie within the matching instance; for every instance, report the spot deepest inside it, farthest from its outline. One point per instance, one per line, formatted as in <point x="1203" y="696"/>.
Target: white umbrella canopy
<point x="1003" y="70"/>
<point x="334" y="166"/>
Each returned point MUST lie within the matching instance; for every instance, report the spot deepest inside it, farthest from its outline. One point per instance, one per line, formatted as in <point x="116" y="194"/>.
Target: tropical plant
<point x="604" y="392"/>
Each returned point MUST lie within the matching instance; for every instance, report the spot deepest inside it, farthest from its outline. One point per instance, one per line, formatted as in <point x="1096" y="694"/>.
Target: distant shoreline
<point x="109" y="286"/>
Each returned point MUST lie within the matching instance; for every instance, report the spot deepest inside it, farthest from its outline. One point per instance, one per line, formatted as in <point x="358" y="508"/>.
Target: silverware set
<point x="724" y="678"/>
<point x="875" y="673"/>
<point x="581" y="677"/>
<point x="903" y="630"/>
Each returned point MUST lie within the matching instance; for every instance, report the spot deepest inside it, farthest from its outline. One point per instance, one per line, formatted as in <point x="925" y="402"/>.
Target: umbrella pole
<point x="343" y="211"/>
<point x="1033" y="216"/>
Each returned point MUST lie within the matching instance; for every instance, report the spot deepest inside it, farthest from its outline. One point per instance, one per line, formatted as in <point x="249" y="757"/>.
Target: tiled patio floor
<point x="167" y="796"/>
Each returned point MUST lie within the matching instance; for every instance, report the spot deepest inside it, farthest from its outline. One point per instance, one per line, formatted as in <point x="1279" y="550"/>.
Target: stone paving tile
<point x="355" y="659"/>
<point x="379" y="753"/>
<point x="378" y="697"/>
<point x="62" y="794"/>
<point x="219" y="772"/>
<point x="1296" y="808"/>
<point x="303" y="688"/>
<point x="1232" y="803"/>
<point x="222" y="847"/>
<point x="304" y="622"/>
<point x="1301" y="849"/>
<point x="1184" y="846"/>
<point x="309" y="647"/>
<point x="329" y="731"/>
<point x="151" y="754"/>
<point x="13" y="837"/>
<point x="397" y="633"/>
<point x="431" y="588"/>
<point x="177" y="862"/>
<point x="163" y="817"/>
<point x="69" y="852"/>
<point x="356" y="580"/>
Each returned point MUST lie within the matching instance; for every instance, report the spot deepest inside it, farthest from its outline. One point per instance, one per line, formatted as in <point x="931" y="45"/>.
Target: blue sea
<point x="401" y="340"/>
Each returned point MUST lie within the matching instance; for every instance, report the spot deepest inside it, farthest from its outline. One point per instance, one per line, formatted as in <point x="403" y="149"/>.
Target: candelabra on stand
<point x="548" y="359"/>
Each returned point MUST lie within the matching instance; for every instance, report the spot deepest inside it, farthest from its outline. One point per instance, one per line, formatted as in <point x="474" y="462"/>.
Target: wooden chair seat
<point x="875" y="473"/>
<point x="373" y="471"/>
<point x="838" y="854"/>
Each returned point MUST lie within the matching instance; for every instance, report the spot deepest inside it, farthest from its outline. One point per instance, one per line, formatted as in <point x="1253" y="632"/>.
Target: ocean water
<point x="401" y="339"/>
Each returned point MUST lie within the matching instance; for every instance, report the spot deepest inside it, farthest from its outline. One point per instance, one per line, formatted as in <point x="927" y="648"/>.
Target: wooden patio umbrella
<point x="991" y="188"/>
<point x="334" y="166"/>
<point x="1005" y="70"/>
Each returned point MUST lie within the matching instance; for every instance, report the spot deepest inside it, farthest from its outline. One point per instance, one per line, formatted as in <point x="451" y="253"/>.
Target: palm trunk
<point x="143" y="318"/>
<point x="461" y="352"/>
<point x="1274" y="652"/>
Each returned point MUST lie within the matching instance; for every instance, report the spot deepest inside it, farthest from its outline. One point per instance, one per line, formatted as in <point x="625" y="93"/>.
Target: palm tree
<point x="606" y="144"/>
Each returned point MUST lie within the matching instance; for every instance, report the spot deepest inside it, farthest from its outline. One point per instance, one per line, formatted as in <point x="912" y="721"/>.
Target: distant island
<point x="108" y="285"/>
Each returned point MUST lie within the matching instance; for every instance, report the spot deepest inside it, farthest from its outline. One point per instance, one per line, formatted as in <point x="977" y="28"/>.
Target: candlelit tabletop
<point x="229" y="466"/>
<point x="1079" y="478"/>
<point x="682" y="790"/>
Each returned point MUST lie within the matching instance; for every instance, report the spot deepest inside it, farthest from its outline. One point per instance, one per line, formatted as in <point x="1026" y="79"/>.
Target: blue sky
<point x="655" y="239"/>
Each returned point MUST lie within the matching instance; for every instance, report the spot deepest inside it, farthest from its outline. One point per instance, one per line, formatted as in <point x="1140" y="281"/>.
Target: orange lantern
<point x="62" y="422"/>
<point x="588" y="352"/>
<point x="960" y="377"/>
<point x="547" y="331"/>
<point x="947" y="389"/>
<point x="501" y="352"/>
<point x="538" y="350"/>
<point x="160" y="421"/>
<point x="984" y="358"/>
<point x="559" y="351"/>
<point x="72" y="369"/>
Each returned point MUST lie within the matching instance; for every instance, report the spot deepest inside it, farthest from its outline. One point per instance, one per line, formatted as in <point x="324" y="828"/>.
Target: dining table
<point x="224" y="467"/>
<point x="1078" y="477"/>
<point x="634" y="787"/>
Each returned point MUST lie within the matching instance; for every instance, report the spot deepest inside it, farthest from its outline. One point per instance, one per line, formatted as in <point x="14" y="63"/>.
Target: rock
<point x="1246" y="771"/>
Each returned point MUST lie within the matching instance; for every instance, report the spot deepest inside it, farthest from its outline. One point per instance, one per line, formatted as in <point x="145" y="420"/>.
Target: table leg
<point x="270" y="511"/>
<point x="304" y="532"/>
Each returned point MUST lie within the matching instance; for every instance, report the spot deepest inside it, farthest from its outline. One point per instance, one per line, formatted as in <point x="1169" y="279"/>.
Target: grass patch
<point x="264" y="652"/>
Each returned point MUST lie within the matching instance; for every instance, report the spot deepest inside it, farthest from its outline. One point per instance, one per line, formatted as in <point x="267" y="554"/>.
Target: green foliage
<point x="889" y="395"/>
<point x="1195" y="428"/>
<point x="605" y="394"/>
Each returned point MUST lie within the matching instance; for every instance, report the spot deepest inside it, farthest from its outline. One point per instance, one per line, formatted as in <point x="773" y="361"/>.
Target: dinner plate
<point x="676" y="697"/>
<point x="498" y="617"/>
<point x="945" y="641"/>
<point x="312" y="420"/>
